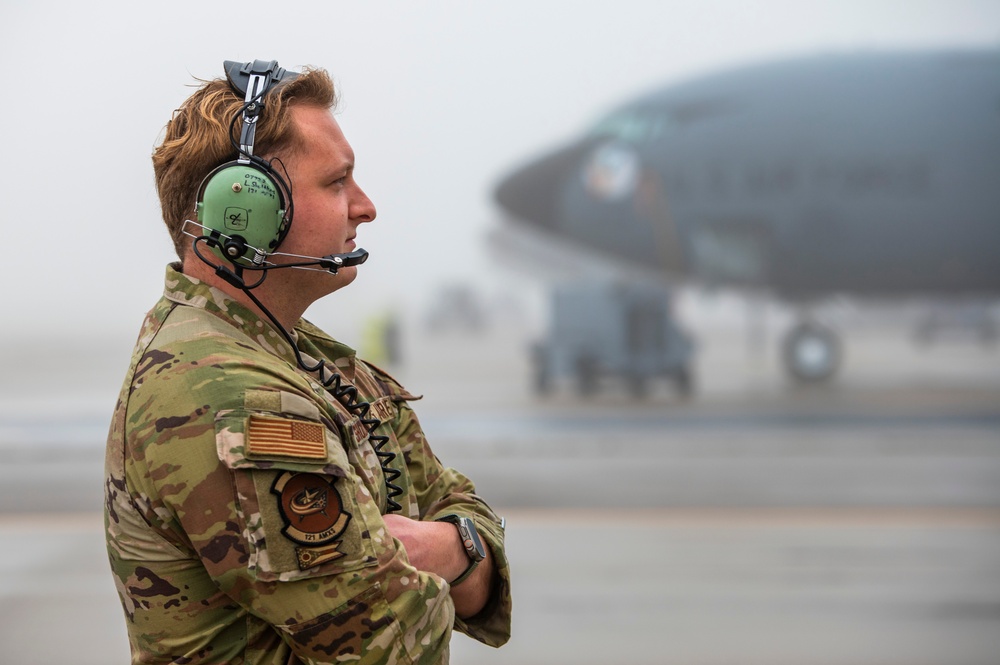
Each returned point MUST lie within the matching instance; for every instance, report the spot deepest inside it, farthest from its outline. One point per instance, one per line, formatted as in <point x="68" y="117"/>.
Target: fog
<point x="439" y="100"/>
<point x="754" y="520"/>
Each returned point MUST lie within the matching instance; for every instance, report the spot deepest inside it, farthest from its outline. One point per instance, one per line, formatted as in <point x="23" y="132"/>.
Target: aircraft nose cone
<point x="600" y="195"/>
<point x="531" y="192"/>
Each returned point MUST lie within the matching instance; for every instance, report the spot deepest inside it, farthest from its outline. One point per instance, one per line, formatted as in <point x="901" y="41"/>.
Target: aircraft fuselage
<point x="874" y="174"/>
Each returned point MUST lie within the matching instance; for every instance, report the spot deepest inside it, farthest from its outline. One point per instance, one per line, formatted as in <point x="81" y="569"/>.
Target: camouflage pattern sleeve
<point x="244" y="501"/>
<point x="442" y="490"/>
<point x="320" y="561"/>
<point x="238" y="530"/>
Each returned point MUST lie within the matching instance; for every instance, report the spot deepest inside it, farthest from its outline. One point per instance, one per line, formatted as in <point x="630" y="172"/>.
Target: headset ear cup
<point x="247" y="201"/>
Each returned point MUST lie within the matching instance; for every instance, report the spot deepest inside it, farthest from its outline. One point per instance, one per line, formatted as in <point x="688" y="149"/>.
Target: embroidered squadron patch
<point x="313" y="514"/>
<point x="284" y="437"/>
<point x="314" y="556"/>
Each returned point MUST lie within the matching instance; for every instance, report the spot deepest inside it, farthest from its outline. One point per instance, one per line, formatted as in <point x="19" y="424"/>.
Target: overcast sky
<point x="439" y="99"/>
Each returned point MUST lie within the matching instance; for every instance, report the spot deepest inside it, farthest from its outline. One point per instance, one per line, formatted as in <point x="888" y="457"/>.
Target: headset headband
<point x="253" y="80"/>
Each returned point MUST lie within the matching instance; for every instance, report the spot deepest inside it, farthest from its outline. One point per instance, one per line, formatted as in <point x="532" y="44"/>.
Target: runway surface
<point x="754" y="523"/>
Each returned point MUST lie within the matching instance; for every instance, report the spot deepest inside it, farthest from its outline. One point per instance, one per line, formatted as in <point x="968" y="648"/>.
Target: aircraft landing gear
<point x="811" y="352"/>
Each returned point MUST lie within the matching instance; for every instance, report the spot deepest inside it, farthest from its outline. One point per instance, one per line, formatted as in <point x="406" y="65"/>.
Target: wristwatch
<point x="470" y="540"/>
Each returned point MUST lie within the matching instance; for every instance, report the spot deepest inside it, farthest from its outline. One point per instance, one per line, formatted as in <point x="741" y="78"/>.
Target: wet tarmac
<point x="756" y="522"/>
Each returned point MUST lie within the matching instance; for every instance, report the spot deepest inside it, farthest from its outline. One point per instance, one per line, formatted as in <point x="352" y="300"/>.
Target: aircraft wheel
<point x="811" y="353"/>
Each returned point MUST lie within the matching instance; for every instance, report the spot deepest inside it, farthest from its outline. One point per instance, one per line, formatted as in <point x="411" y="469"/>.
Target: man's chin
<point x="343" y="277"/>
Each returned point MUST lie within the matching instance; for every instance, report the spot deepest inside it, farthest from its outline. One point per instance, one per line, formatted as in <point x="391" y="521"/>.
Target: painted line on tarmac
<point x="740" y="517"/>
<point x="666" y="517"/>
<point x="47" y="522"/>
<point x="28" y="437"/>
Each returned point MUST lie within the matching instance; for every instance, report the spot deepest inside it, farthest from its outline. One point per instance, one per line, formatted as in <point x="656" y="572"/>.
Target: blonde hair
<point x="197" y="139"/>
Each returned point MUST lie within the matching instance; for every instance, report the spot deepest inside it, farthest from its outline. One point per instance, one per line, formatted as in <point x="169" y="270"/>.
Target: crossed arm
<point x="436" y="547"/>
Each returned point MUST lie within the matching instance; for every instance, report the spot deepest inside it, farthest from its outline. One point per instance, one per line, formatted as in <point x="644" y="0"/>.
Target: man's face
<point x="329" y="204"/>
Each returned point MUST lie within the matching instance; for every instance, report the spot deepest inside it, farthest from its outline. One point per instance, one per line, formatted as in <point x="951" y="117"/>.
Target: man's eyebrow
<point x="338" y="168"/>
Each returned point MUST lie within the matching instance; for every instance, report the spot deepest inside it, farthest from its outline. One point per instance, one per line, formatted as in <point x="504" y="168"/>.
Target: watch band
<point x="464" y="576"/>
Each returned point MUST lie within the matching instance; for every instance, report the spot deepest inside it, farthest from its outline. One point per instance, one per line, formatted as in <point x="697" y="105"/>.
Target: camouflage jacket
<point x="244" y="503"/>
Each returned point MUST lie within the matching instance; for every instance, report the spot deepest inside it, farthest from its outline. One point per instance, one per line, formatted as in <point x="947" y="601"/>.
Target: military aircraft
<point x="872" y="174"/>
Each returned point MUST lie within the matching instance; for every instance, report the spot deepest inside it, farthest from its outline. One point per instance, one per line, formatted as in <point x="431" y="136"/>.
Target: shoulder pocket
<point x="302" y="513"/>
<point x="279" y="427"/>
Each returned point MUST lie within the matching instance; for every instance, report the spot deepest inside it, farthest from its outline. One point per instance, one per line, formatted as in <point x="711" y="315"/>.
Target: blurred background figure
<point x="381" y="340"/>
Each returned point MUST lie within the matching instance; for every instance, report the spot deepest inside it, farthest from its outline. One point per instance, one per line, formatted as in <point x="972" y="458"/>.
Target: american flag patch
<point x="286" y="438"/>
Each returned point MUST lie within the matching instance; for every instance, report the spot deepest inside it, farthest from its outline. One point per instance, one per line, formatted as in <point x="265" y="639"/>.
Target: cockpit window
<point x="642" y="125"/>
<point x="631" y="126"/>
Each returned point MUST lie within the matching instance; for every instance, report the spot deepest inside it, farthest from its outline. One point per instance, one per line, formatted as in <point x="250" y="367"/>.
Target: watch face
<point x="470" y="538"/>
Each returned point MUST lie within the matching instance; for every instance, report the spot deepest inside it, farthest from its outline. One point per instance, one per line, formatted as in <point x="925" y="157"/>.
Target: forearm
<point x="471" y="594"/>
<point x="436" y="547"/>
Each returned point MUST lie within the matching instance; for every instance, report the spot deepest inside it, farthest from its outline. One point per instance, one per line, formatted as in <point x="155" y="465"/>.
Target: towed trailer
<point x="612" y="330"/>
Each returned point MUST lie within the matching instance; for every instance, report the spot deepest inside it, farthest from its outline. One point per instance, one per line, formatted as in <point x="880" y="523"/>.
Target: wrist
<point x="471" y="545"/>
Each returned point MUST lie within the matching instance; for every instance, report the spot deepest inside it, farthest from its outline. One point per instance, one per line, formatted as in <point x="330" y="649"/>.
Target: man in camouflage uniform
<point x="245" y="503"/>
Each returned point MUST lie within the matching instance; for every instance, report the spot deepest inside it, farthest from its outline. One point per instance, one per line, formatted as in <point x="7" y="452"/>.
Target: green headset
<point x="245" y="209"/>
<point x="245" y="206"/>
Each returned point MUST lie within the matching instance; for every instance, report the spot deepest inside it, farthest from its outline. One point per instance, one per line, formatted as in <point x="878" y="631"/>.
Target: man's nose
<point x="364" y="209"/>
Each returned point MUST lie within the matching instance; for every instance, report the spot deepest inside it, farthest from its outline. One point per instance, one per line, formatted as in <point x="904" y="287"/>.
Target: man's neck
<point x="286" y="310"/>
